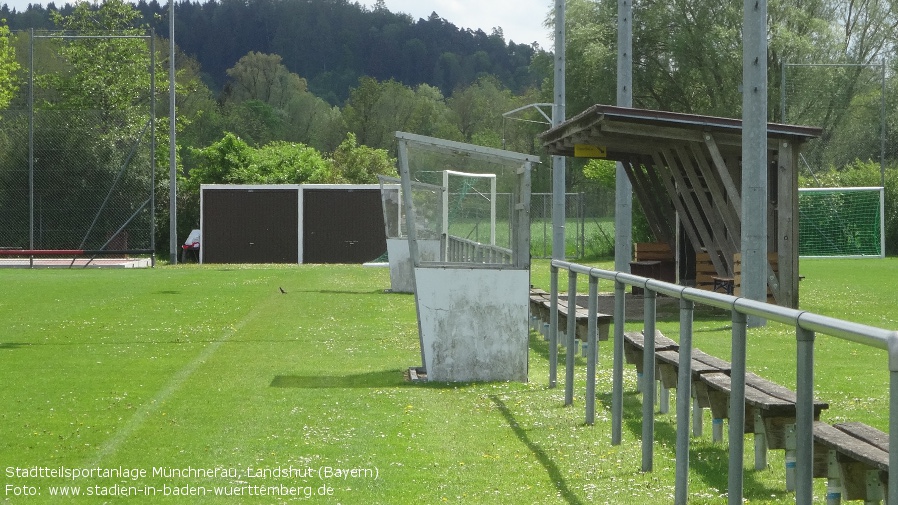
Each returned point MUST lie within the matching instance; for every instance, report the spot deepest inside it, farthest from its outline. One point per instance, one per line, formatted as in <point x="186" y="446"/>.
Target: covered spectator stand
<point x="686" y="174"/>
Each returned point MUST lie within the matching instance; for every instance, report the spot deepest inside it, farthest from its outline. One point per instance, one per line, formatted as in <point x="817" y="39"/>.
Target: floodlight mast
<point x="172" y="148"/>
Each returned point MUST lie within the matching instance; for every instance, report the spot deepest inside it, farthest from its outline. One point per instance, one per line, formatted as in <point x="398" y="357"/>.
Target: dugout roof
<point x="689" y="166"/>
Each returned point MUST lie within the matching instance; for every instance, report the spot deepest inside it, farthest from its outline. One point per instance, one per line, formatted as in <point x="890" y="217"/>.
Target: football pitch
<point x="282" y="384"/>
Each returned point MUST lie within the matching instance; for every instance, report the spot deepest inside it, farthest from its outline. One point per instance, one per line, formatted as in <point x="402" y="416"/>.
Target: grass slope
<point x="197" y="370"/>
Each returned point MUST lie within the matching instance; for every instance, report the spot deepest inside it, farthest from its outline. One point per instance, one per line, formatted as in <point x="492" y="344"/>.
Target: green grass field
<point x="141" y="386"/>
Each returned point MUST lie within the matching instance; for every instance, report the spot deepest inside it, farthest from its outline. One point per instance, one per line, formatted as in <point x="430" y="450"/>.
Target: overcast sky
<point x="521" y="20"/>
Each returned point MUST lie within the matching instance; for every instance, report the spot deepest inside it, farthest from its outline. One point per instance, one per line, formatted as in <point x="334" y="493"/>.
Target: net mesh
<point x="465" y="201"/>
<point x="76" y="162"/>
<point x="840" y="222"/>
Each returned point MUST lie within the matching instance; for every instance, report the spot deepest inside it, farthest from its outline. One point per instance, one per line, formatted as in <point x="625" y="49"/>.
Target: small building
<point x="291" y="223"/>
<point x="686" y="174"/>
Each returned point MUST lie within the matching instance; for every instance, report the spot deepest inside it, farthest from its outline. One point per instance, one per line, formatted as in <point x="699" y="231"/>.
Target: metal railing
<point x="460" y="250"/>
<point x="806" y="325"/>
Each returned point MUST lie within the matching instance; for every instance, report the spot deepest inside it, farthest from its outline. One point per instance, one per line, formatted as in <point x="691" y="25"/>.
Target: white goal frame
<point x="492" y="178"/>
<point x="882" y="234"/>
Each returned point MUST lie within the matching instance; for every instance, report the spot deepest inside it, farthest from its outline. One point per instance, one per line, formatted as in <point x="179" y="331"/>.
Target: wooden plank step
<point x="846" y="443"/>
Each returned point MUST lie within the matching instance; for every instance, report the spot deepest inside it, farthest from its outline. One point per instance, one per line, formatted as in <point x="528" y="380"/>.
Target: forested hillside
<point x="330" y="43"/>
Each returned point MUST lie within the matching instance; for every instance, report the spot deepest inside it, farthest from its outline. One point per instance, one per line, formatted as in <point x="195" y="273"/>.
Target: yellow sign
<point x="590" y="151"/>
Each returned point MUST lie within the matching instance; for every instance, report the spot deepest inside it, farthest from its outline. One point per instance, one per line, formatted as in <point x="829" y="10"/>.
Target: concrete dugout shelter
<point x="686" y="174"/>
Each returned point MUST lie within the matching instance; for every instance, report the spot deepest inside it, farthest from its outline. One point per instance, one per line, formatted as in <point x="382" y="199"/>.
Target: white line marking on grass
<point x="112" y="445"/>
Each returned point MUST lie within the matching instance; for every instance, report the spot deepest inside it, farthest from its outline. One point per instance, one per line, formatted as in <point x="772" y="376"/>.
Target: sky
<point x="521" y="20"/>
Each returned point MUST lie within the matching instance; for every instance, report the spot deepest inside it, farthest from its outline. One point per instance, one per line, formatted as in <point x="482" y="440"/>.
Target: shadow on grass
<point x="547" y="463"/>
<point x="708" y="461"/>
<point x="541" y="347"/>
<point x="12" y="345"/>
<point x="336" y="292"/>
<point x="379" y="379"/>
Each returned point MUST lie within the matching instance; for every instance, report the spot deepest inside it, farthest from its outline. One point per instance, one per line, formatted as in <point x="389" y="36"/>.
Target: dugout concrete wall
<point x="402" y="279"/>
<point x="474" y="323"/>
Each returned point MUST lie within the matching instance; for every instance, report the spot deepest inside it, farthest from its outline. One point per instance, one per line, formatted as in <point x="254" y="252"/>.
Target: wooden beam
<point x="724" y="174"/>
<point x="644" y="190"/>
<point x="687" y="204"/>
<point x="663" y="174"/>
<point x="720" y="232"/>
<point x="787" y="224"/>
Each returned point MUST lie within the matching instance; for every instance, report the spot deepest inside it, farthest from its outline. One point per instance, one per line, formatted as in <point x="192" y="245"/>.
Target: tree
<point x="478" y="110"/>
<point x="262" y="77"/>
<point x="361" y="164"/>
<point x="376" y="110"/>
<point x="8" y="67"/>
<point x="108" y="73"/>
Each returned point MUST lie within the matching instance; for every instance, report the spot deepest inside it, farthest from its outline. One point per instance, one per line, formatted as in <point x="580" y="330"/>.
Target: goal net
<point x="841" y="222"/>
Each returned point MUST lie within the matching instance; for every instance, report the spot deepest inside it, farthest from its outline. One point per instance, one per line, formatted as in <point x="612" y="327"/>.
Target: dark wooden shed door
<point x="342" y="226"/>
<point x="250" y="226"/>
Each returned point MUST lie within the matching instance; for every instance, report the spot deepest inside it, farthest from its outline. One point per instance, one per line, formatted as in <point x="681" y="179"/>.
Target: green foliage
<point x="602" y="172"/>
<point x="361" y="164"/>
<point x="233" y="161"/>
<point x="109" y="73"/>
<point x="9" y="67"/>
<point x="263" y="77"/>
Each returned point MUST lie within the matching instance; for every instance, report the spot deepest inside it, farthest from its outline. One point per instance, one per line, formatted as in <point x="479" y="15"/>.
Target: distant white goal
<point x="841" y="222"/>
<point x="469" y="203"/>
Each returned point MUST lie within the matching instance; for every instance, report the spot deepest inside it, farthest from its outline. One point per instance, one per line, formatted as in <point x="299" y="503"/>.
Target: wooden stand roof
<point x="690" y="165"/>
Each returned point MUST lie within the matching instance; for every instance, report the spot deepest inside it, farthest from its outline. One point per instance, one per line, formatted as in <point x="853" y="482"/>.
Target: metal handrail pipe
<point x="665" y="288"/>
<point x="632" y="280"/>
<point x="765" y="310"/>
<point x="856" y="332"/>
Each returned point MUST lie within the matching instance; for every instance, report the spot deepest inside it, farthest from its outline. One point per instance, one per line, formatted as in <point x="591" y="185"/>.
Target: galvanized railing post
<point x="892" y="498"/>
<point x="553" y="327"/>
<point x="737" y="409"/>
<point x="684" y="384"/>
<point x="592" y="347"/>
<point x="617" y="371"/>
<point x="804" y="418"/>
<point x="571" y="351"/>
<point x="648" y="379"/>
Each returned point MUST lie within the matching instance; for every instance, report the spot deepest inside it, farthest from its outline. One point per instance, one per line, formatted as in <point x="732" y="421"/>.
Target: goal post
<point x="460" y="192"/>
<point x="841" y="222"/>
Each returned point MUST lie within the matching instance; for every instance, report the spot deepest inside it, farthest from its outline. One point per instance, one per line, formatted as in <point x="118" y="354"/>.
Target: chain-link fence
<point x="76" y="146"/>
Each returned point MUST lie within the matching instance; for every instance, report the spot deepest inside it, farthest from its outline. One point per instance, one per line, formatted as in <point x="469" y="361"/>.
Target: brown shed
<point x="290" y="223"/>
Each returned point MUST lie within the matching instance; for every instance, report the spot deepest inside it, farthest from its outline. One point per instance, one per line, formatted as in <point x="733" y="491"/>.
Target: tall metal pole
<point x="558" y="113"/>
<point x="754" y="153"/>
<point x="172" y="148"/>
<point x="152" y="208"/>
<point x="623" y="191"/>
<point x="31" y="147"/>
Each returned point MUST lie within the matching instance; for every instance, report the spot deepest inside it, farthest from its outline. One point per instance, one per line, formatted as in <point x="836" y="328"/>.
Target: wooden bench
<point x="769" y="411"/>
<point x="668" y="364"/>
<point x="634" y="348"/>
<point x="769" y="407"/>
<point x="854" y="458"/>
<point x="541" y="307"/>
